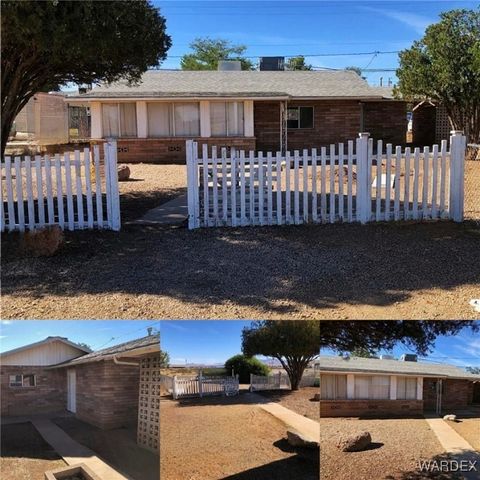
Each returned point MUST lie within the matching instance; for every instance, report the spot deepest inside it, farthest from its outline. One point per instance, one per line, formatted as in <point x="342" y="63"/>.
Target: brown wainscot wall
<point x="49" y="394"/>
<point x="107" y="394"/>
<point x="386" y="121"/>
<point x="456" y="394"/>
<point x="170" y="150"/>
<point x="370" y="408"/>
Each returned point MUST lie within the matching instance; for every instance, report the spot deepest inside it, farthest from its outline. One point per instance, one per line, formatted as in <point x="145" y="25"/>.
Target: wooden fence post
<point x="111" y="175"/>
<point x="192" y="182"/>
<point x="200" y="381"/>
<point x="174" y="387"/>
<point x="363" y="189"/>
<point x="457" y="174"/>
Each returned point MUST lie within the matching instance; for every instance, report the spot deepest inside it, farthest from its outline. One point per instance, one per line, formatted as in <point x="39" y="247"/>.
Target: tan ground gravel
<point x="469" y="429"/>
<point x="398" y="444"/>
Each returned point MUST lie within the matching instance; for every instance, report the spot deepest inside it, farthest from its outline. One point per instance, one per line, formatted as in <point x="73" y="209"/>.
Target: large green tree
<point x="244" y="366"/>
<point x="51" y="43"/>
<point x="445" y="66"/>
<point x="371" y="336"/>
<point x="207" y="52"/>
<point x="297" y="63"/>
<point x="293" y="343"/>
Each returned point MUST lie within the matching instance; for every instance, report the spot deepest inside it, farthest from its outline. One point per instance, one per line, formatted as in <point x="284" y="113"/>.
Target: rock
<point x="451" y="418"/>
<point x="43" y="242"/>
<point x="297" y="440"/>
<point x="316" y="397"/>
<point x="355" y="443"/>
<point x="123" y="173"/>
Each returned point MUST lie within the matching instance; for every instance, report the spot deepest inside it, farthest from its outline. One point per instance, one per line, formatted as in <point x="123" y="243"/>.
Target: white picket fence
<point x="277" y="381"/>
<point x="74" y="193"/>
<point x="200" y="386"/>
<point x="358" y="183"/>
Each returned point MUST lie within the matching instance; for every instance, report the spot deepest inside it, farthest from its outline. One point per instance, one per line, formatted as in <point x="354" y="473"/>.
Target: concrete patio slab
<point x="173" y="212"/>
<point x="72" y="452"/>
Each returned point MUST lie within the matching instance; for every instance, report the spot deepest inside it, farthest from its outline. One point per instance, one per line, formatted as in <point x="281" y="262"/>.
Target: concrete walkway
<point x="173" y="212"/>
<point x="308" y="428"/>
<point x="72" y="452"/>
<point x="455" y="445"/>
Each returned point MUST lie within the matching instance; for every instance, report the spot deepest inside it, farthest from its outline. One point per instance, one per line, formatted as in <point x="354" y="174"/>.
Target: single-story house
<point x="351" y="386"/>
<point x="249" y="110"/>
<point x="111" y="388"/>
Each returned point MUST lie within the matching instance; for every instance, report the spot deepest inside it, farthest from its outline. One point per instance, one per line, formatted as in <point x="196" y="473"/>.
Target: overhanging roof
<point x="133" y="348"/>
<point x="239" y="84"/>
<point x="394" y="367"/>
<point x="48" y="340"/>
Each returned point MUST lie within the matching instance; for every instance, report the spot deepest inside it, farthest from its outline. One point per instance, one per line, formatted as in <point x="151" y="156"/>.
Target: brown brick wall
<point x="386" y="121"/>
<point x="170" y="150"/>
<point x="457" y="394"/>
<point x="49" y="395"/>
<point x="107" y="394"/>
<point x="370" y="408"/>
<point x="266" y="125"/>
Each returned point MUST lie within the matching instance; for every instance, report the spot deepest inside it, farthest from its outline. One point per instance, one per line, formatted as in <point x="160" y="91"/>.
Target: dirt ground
<point x="397" y="446"/>
<point x="223" y="438"/>
<point x="117" y="447"/>
<point x="24" y="453"/>
<point x="299" y="401"/>
<point x="404" y="271"/>
<point x="469" y="429"/>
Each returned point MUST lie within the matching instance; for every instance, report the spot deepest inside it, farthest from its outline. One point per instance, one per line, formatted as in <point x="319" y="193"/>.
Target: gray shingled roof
<point x="319" y="84"/>
<point x="355" y="364"/>
<point x="110" y="352"/>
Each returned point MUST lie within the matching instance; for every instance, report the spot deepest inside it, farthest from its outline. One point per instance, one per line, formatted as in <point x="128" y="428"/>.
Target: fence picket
<point x="29" y="188"/>
<point x="443" y="175"/>
<point x="215" y="186"/>
<point x="350" y="182"/>
<point x="278" y="171"/>
<point x="305" y="185"/>
<point x="340" y="182"/>
<point x="288" y="199"/>
<point x="233" y="184"/>
<point x="388" y="180"/>
<point x="39" y="182"/>
<point x="396" y="184"/>
<point x="314" y="186"/>
<point x="261" y="189"/>
<point x="269" y="189"/>
<point x="332" y="184"/>
<point x="378" y="185"/>
<point x="19" y="194"/>
<point x="296" y="191"/>
<point x="88" y="187"/>
<point x="79" y="189"/>
<point x="10" y="202"/>
<point x="243" y="220"/>
<point x="206" y="200"/>
<point x="323" y="185"/>
<point x="434" y="208"/>
<point x="416" y="170"/>
<point x="58" y="177"/>
<point x="426" y="158"/>
<point x="98" y="186"/>
<point x="406" y="195"/>
<point x="251" y="184"/>
<point x="368" y="206"/>
<point x="2" y="208"/>
<point x="68" y="184"/>
<point x="224" y="187"/>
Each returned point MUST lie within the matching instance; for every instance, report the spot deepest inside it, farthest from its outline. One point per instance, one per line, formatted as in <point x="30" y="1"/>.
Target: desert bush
<point x="244" y="366"/>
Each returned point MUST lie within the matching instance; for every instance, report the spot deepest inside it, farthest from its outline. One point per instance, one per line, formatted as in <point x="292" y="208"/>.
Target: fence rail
<point x="72" y="192"/>
<point x="200" y="386"/>
<point x="341" y="183"/>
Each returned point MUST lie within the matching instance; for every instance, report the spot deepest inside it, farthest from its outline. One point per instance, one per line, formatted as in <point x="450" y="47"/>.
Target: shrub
<point x="244" y="366"/>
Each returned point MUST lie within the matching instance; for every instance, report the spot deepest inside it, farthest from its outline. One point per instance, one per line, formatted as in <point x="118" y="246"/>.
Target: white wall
<point x="47" y="354"/>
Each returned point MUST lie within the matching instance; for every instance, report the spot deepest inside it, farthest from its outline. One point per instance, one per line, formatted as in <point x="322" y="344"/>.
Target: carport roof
<point x="398" y="367"/>
<point x="140" y="346"/>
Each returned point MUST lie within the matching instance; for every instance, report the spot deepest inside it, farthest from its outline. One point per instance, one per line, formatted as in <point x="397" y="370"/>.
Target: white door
<point x="71" y="391"/>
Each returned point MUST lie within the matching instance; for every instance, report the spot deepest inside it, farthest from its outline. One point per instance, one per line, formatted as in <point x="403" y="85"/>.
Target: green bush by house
<point x="244" y="366"/>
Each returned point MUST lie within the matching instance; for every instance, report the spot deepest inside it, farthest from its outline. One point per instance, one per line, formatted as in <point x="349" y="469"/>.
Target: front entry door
<point x="476" y="392"/>
<point x="71" y="391"/>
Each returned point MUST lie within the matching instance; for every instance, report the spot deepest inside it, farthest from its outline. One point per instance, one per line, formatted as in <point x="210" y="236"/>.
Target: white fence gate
<point x="360" y="183"/>
<point x="200" y="386"/>
<point x="74" y="193"/>
<point x="276" y="381"/>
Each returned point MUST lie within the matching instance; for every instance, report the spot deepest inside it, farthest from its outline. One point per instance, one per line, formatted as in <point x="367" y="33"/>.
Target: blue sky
<point x="461" y="350"/>
<point x="206" y="342"/>
<point x="307" y="27"/>
<point x="95" y="333"/>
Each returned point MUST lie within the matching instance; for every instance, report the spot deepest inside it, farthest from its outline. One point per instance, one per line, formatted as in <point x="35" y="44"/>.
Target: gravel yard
<point x="397" y="447"/>
<point x="299" y="401"/>
<point x="404" y="271"/>
<point x="222" y="438"/>
<point x="25" y="455"/>
<point x="469" y="429"/>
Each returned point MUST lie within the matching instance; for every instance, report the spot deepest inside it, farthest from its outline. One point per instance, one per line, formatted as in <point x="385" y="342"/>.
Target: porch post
<point x="350" y="386"/>
<point x="142" y="127"/>
<point x="393" y="387"/>
<point x="419" y="388"/>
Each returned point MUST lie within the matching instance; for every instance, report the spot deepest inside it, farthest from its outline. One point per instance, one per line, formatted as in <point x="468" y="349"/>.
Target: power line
<point x="128" y="333"/>
<point x="314" y="54"/>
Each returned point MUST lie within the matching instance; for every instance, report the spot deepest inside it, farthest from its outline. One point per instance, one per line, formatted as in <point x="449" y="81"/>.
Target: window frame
<point x="299" y="117"/>
<point x="227" y="125"/>
<point x="335" y="387"/>
<point x="119" y="122"/>
<point x="20" y="384"/>
<point x="371" y="386"/>
<point x="171" y="113"/>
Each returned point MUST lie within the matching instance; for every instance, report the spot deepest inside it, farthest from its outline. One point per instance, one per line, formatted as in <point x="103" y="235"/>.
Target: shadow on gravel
<point x="286" y="270"/>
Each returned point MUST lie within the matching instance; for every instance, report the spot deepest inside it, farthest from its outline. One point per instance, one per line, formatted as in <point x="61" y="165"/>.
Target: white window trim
<point x="235" y="107"/>
<point x="22" y="385"/>
<point x="173" y="133"/>
<point x="118" y="119"/>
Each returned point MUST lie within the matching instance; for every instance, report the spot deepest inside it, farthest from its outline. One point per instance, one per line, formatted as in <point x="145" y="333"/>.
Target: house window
<point x="300" y="117"/>
<point x="119" y="120"/>
<point x="372" y="388"/>
<point x="333" y="387"/>
<point x="406" y="388"/>
<point x="173" y="119"/>
<point x="22" y="380"/>
<point x="226" y="119"/>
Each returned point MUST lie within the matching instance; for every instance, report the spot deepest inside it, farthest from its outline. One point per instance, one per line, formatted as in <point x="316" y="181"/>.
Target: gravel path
<point x="398" y="446"/>
<point x="404" y="271"/>
<point x="220" y="438"/>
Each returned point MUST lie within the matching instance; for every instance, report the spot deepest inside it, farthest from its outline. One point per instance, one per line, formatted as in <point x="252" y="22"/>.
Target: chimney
<point x="408" y="357"/>
<point x="272" y="64"/>
<point x="229" y="66"/>
<point x="149" y="330"/>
